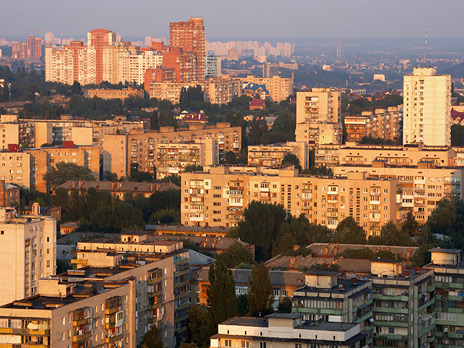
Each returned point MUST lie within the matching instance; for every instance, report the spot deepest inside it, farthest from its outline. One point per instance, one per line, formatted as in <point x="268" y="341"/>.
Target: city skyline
<point x="358" y="19"/>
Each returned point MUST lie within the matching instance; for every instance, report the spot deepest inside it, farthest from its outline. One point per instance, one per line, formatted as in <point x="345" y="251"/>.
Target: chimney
<point x="36" y="209"/>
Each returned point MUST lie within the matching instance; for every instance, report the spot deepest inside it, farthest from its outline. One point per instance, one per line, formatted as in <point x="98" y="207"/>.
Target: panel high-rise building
<point x="190" y="36"/>
<point x="427" y="108"/>
<point x="32" y="48"/>
<point x="99" y="38"/>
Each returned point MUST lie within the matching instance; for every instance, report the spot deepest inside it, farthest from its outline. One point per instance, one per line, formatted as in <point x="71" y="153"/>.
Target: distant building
<point x="272" y="155"/>
<point x="114" y="93"/>
<point x="31" y="49"/>
<point x="257" y="104"/>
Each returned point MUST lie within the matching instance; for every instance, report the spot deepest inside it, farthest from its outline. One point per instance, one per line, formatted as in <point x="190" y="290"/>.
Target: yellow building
<point x="272" y="155"/>
<point x="173" y="158"/>
<point x="381" y="123"/>
<point x="169" y="90"/>
<point x="15" y="168"/>
<point x="222" y="90"/>
<point x="420" y="187"/>
<point x="121" y="150"/>
<point x="114" y="93"/>
<point x="318" y="115"/>
<point x="27" y="253"/>
<point x="279" y="88"/>
<point x="219" y="196"/>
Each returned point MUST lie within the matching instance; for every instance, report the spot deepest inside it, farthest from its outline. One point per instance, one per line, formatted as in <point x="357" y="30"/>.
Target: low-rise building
<point x="280" y="330"/>
<point x="114" y="93"/>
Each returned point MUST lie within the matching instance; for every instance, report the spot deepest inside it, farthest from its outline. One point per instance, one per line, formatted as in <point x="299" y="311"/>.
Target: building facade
<point x="427" y="108"/>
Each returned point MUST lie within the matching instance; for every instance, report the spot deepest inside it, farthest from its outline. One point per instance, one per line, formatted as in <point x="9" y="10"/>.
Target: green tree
<point x="152" y="338"/>
<point x="63" y="172"/>
<point x="349" y="232"/>
<point x="321" y="170"/>
<point x="235" y="255"/>
<point x="76" y="88"/>
<point x="307" y="233"/>
<point x="286" y="243"/>
<point x="260" y="296"/>
<point x="221" y="298"/>
<point x="443" y="218"/>
<point x="154" y="120"/>
<point x="230" y="157"/>
<point x="285" y="306"/>
<point x="391" y="235"/>
<point x="291" y="160"/>
<point x="193" y="168"/>
<point x="262" y="227"/>
<point x="242" y="304"/>
<point x="198" y="325"/>
<point x="457" y="135"/>
<point x="410" y="226"/>
<point x="166" y="216"/>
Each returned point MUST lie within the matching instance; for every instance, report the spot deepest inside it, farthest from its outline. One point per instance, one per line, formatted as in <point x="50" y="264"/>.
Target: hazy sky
<point x="235" y="19"/>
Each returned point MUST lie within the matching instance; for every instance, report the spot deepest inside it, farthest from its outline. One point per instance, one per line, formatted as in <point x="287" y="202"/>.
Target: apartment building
<point x="114" y="93"/>
<point x="420" y="188"/>
<point x="27" y="253"/>
<point x="190" y="37"/>
<point x="449" y="301"/>
<point x="403" y="305"/>
<point x="9" y="194"/>
<point x="380" y="123"/>
<point x="173" y="158"/>
<point x="441" y="156"/>
<point x="286" y="330"/>
<point x="37" y="133"/>
<point x="222" y="90"/>
<point x="279" y="88"/>
<point x="212" y="67"/>
<point x="318" y="115"/>
<point x="169" y="90"/>
<point x="139" y="248"/>
<point x="324" y="296"/>
<point x="116" y="62"/>
<point x="121" y="150"/>
<point x="218" y="197"/>
<point x="272" y="155"/>
<point x="94" y="306"/>
<point x="427" y="108"/>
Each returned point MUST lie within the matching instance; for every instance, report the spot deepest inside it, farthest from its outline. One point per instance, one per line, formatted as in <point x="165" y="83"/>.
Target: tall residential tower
<point x="427" y="108"/>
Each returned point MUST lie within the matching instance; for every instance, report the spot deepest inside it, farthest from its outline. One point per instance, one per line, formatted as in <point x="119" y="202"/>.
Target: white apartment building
<point x="427" y="108"/>
<point x="27" y="253"/>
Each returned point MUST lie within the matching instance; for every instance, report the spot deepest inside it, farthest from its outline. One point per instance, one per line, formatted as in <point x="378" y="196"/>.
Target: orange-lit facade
<point x="98" y="39"/>
<point x="190" y="36"/>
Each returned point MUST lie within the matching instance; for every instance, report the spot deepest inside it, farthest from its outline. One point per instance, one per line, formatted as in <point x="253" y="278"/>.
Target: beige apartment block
<point x="15" y="168"/>
<point x="222" y="90"/>
<point x="173" y="158"/>
<point x="95" y="307"/>
<point x="427" y="108"/>
<point x="218" y="197"/>
<point x="279" y="88"/>
<point x="420" y="188"/>
<point x="398" y="155"/>
<point x="27" y="253"/>
<point x="121" y="150"/>
<point x="135" y="249"/>
<point x="380" y="123"/>
<point x="272" y="155"/>
<point x="319" y="133"/>
<point x="115" y="62"/>
<point x="9" y="135"/>
<point x="318" y="114"/>
<point x="319" y="104"/>
<point x="169" y="90"/>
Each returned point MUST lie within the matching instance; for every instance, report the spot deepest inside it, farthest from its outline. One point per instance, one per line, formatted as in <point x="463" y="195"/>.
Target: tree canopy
<point x="260" y="295"/>
<point x="63" y="172"/>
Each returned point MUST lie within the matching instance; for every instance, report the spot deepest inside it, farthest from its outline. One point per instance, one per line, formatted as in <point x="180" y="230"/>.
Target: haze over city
<point x="261" y="19"/>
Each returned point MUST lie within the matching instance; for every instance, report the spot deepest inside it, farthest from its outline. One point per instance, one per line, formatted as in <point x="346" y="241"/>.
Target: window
<point x="228" y="343"/>
<point x="245" y="344"/>
<point x="262" y="344"/>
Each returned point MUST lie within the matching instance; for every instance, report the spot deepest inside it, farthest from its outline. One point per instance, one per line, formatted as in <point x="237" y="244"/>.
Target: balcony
<point x="82" y="337"/>
<point x="113" y="338"/>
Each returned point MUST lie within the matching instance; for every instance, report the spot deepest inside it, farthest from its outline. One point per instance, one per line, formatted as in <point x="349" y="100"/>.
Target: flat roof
<point x="448" y="251"/>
